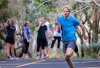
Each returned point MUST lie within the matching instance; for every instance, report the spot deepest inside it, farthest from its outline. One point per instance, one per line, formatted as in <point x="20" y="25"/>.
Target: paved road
<point x="50" y="63"/>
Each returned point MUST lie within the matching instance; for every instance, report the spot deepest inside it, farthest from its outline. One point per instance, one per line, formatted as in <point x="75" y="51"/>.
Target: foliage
<point x="41" y="8"/>
<point x="3" y="10"/>
<point x="92" y="50"/>
<point x="5" y="13"/>
<point x="3" y="4"/>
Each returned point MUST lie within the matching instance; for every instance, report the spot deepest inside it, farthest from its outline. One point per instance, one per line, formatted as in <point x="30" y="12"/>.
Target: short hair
<point x="67" y="7"/>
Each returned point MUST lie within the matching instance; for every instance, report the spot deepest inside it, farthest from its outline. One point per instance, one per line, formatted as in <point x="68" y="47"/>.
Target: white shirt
<point x="55" y="31"/>
<point x="48" y="28"/>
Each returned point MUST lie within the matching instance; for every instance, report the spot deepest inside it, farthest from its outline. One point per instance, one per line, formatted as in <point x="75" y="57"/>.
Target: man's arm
<point x="84" y="31"/>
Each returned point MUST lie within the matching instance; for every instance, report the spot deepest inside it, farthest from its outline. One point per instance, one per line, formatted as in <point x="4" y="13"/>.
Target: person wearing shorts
<point x="48" y="37"/>
<point x="10" y="38"/>
<point x="68" y="26"/>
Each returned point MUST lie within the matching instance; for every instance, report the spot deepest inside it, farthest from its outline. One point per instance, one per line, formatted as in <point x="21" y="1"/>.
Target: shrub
<point x="92" y="50"/>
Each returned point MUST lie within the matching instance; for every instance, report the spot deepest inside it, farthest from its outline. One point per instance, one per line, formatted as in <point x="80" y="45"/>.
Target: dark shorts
<point x="10" y="40"/>
<point x="69" y="44"/>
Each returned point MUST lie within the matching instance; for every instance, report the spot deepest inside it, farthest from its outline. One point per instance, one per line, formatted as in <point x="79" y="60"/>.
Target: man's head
<point x="66" y="11"/>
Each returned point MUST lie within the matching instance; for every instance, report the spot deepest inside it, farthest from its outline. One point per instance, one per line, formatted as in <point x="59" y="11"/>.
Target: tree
<point x="96" y="19"/>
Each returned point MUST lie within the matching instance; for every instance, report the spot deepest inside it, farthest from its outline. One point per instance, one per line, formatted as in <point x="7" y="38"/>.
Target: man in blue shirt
<point x="68" y="26"/>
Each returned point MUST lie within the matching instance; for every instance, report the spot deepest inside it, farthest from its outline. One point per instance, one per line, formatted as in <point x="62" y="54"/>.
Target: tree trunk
<point x="79" y="33"/>
<point x="96" y="18"/>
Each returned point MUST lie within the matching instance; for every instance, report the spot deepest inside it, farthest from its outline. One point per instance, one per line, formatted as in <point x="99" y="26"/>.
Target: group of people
<point x="11" y="36"/>
<point x="43" y="36"/>
<point x="64" y="29"/>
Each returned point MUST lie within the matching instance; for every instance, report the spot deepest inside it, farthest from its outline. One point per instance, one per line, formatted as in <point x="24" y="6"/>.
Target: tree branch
<point x="94" y="1"/>
<point x="83" y="1"/>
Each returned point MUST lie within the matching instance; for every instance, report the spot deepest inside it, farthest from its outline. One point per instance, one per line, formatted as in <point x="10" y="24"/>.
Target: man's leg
<point x="68" y="54"/>
<point x="76" y="51"/>
<point x="68" y="49"/>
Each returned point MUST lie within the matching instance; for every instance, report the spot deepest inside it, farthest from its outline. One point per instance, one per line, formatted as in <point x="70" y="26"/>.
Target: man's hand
<point x="85" y="37"/>
<point x="84" y="31"/>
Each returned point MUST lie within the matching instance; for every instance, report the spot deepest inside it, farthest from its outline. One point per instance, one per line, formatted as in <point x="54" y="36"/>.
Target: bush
<point x="1" y="46"/>
<point x="92" y="50"/>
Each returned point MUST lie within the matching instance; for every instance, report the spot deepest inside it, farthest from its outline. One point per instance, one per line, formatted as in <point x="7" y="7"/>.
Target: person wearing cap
<point x="68" y="25"/>
<point x="26" y="38"/>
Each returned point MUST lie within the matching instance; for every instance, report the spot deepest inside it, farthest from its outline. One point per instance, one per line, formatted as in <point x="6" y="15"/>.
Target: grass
<point x="74" y="57"/>
<point x="2" y="57"/>
<point x="85" y="58"/>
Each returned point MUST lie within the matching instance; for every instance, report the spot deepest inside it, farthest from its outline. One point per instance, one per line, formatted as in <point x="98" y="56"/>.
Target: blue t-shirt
<point x="68" y="27"/>
<point x="27" y="29"/>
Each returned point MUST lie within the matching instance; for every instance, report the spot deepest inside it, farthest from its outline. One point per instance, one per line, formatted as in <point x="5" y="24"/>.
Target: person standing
<point x="41" y="29"/>
<point x="26" y="39"/>
<point x="48" y="34"/>
<point x="56" y="36"/>
<point x="68" y="26"/>
<point x="10" y="38"/>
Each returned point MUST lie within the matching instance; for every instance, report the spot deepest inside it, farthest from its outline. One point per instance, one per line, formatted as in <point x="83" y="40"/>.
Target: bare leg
<point x="58" y="52"/>
<point x="52" y="45"/>
<point x="68" y="54"/>
<point x="12" y="50"/>
<point x="70" y="63"/>
<point x="49" y="51"/>
<point x="46" y="50"/>
<point x="38" y="53"/>
<point x="8" y="49"/>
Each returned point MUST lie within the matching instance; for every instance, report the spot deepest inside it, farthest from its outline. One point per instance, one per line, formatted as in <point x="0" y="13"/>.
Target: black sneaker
<point x="10" y="58"/>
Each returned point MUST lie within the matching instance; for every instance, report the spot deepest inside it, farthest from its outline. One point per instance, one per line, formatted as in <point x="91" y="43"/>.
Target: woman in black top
<point x="41" y="38"/>
<point x="10" y="38"/>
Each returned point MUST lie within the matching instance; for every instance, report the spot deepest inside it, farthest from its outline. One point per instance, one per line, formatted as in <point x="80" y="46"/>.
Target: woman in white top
<point x="56" y="36"/>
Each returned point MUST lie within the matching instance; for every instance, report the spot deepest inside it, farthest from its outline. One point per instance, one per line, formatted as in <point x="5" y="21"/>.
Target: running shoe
<point x="38" y="57"/>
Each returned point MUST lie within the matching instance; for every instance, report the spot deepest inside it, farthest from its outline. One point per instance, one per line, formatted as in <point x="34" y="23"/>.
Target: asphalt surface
<point x="49" y="63"/>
